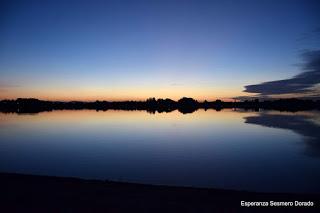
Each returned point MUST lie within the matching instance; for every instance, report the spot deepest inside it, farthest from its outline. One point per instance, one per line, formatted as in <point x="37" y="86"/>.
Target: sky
<point x="120" y="50"/>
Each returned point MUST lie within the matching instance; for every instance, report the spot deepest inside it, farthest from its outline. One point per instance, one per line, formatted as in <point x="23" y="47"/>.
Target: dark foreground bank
<point x="29" y="193"/>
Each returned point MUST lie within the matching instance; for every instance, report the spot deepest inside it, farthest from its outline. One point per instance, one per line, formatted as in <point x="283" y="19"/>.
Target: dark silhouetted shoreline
<point x="31" y="193"/>
<point x="152" y="105"/>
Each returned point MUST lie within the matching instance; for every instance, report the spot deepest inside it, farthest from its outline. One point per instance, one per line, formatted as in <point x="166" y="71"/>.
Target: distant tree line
<point x="152" y="105"/>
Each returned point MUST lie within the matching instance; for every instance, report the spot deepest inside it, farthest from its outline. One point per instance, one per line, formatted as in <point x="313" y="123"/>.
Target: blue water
<point x="256" y="151"/>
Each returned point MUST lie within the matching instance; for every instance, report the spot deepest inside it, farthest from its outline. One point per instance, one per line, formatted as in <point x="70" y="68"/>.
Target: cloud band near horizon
<point x="301" y="84"/>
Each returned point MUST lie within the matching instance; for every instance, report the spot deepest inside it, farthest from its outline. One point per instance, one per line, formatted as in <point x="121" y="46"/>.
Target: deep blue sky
<point x="136" y="49"/>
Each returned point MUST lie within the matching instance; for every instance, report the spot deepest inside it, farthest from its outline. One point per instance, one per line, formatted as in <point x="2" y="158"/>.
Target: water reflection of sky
<point x="205" y="148"/>
<point x="304" y="124"/>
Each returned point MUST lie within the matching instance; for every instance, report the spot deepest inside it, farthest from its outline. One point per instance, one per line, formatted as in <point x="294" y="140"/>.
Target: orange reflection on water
<point x="120" y="116"/>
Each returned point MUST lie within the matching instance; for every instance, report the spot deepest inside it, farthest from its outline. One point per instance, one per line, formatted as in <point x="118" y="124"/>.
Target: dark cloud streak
<point x="299" y="84"/>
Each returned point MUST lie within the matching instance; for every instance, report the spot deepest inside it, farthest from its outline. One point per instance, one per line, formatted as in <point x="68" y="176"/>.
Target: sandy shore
<point x="30" y="193"/>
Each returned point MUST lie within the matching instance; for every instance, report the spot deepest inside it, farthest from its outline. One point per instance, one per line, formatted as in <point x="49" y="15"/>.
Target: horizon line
<point x="250" y="98"/>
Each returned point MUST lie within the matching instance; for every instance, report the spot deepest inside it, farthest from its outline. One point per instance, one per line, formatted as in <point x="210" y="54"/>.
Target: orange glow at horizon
<point x="116" y="94"/>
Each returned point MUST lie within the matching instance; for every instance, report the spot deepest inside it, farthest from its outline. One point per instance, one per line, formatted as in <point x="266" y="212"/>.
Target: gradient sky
<point x="115" y="50"/>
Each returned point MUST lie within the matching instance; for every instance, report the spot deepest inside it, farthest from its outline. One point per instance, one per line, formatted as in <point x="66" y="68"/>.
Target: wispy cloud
<point x="7" y="86"/>
<point x="176" y="84"/>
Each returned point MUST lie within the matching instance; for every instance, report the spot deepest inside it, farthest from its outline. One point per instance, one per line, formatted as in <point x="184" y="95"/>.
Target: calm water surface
<point x="256" y="151"/>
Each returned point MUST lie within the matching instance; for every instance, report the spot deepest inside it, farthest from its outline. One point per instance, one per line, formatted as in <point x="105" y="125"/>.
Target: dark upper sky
<point x="136" y="49"/>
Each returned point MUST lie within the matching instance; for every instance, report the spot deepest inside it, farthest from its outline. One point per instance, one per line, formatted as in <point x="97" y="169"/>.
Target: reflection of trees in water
<point x="152" y="105"/>
<point x="300" y="124"/>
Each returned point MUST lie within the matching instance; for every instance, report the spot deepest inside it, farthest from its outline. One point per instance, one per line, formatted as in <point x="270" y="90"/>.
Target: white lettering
<point x="303" y="203"/>
<point x="252" y="204"/>
<point x="280" y="203"/>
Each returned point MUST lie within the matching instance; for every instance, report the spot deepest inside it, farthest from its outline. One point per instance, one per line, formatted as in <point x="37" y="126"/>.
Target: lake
<point x="266" y="151"/>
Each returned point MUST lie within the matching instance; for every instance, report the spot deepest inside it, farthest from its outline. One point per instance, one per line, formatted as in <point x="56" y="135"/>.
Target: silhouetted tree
<point x="184" y="105"/>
